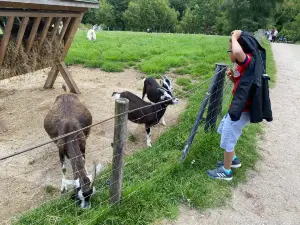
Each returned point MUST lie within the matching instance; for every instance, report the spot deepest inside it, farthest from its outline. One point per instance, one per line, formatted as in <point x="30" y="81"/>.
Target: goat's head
<point x="165" y="96"/>
<point x="85" y="189"/>
<point x="166" y="83"/>
<point x="83" y="183"/>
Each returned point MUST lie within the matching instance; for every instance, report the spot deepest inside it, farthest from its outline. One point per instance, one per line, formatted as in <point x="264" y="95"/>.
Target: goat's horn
<point x="162" y="89"/>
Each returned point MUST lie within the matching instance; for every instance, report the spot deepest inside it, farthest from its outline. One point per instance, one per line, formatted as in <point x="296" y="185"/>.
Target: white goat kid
<point x="91" y="35"/>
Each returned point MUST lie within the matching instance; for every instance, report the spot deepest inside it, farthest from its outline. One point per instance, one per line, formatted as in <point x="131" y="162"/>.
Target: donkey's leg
<point x="63" y="188"/>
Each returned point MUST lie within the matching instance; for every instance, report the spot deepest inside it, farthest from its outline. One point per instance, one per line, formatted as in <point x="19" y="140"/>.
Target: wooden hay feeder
<point x="33" y="23"/>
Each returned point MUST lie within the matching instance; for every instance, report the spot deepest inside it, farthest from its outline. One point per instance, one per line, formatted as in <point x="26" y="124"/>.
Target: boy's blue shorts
<point x="232" y="130"/>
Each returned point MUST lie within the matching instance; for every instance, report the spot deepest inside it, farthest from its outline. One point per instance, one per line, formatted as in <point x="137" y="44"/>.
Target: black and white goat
<point x="152" y="89"/>
<point x="149" y="114"/>
<point x="67" y="115"/>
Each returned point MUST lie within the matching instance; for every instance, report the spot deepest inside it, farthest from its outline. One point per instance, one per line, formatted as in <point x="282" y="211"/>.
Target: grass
<point x="155" y="184"/>
<point x="271" y="65"/>
<point x="50" y="190"/>
<point x="152" y="54"/>
<point x="132" y="138"/>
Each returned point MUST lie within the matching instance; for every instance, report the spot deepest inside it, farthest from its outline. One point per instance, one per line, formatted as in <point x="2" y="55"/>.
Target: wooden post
<point x="67" y="77"/>
<point x="22" y="31"/>
<point x="44" y="32"/>
<point x="215" y="101"/>
<point x="55" y="29"/>
<point x="65" y="27"/>
<point x="69" y="36"/>
<point x="5" y="39"/>
<point x="119" y="145"/>
<point x="32" y="35"/>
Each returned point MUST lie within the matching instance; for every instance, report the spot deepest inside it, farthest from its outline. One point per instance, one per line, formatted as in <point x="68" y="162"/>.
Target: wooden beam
<point x="71" y="31"/>
<point x="44" y="32"/>
<point x="22" y="13"/>
<point x="41" y="7"/>
<point x="55" y="29"/>
<point x="68" y="78"/>
<point x="33" y="34"/>
<point x="6" y="36"/>
<point x="51" y="3"/>
<point x="66" y="24"/>
<point x="51" y="78"/>
<point x="22" y="31"/>
<point x="71" y="34"/>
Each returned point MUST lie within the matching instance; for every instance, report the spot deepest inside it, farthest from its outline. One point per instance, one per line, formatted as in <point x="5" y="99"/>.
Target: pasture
<point x="34" y="177"/>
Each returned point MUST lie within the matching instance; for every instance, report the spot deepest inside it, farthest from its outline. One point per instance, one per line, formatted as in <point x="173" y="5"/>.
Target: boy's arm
<point x="236" y="47"/>
<point x="229" y="74"/>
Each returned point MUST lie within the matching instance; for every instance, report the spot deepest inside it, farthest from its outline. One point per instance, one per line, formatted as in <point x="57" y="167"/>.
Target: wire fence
<point x="42" y="188"/>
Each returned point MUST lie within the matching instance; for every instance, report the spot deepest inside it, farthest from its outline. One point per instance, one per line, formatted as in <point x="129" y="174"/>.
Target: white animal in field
<point x="91" y="35"/>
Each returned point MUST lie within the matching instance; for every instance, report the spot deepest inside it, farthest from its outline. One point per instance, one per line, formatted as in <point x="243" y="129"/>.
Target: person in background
<point x="275" y="35"/>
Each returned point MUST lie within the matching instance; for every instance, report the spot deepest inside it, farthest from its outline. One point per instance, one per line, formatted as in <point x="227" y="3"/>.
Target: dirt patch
<point x="30" y="179"/>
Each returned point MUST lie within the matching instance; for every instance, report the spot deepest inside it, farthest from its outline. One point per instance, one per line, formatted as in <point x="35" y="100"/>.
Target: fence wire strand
<point x="142" y="144"/>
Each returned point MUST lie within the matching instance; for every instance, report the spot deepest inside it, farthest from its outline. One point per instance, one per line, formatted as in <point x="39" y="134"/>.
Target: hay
<point x="17" y="62"/>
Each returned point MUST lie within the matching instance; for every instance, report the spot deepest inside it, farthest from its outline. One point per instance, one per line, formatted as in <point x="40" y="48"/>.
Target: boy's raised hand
<point x="236" y="34"/>
<point x="229" y="74"/>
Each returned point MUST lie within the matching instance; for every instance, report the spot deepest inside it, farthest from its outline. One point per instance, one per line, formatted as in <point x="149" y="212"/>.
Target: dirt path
<point x="271" y="195"/>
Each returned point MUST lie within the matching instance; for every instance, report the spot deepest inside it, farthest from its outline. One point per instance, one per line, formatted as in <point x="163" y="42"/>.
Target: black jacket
<point x="254" y="84"/>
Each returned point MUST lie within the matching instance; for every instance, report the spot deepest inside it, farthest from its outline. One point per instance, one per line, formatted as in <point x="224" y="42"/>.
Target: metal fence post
<point x="119" y="145"/>
<point x="215" y="102"/>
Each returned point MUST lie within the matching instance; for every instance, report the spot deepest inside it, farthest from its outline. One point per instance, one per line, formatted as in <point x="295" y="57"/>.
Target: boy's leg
<point x="228" y="157"/>
<point x="231" y="132"/>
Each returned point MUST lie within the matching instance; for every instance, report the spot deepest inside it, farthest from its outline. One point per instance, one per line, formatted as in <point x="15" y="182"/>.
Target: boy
<point x="231" y="130"/>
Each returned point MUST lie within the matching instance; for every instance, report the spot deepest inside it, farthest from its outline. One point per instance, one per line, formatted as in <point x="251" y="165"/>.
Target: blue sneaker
<point x="236" y="163"/>
<point x="219" y="173"/>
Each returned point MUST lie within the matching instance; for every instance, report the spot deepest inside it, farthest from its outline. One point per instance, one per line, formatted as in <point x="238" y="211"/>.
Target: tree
<point x="155" y="14"/>
<point x="119" y="6"/>
<point x="105" y="14"/>
<point x="189" y="22"/>
<point x="221" y="25"/>
<point x="179" y="6"/>
<point x="132" y="17"/>
<point x="286" y="13"/>
<point x="249" y="14"/>
<point x="201" y="16"/>
<point x="288" y="19"/>
<point x="89" y="17"/>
